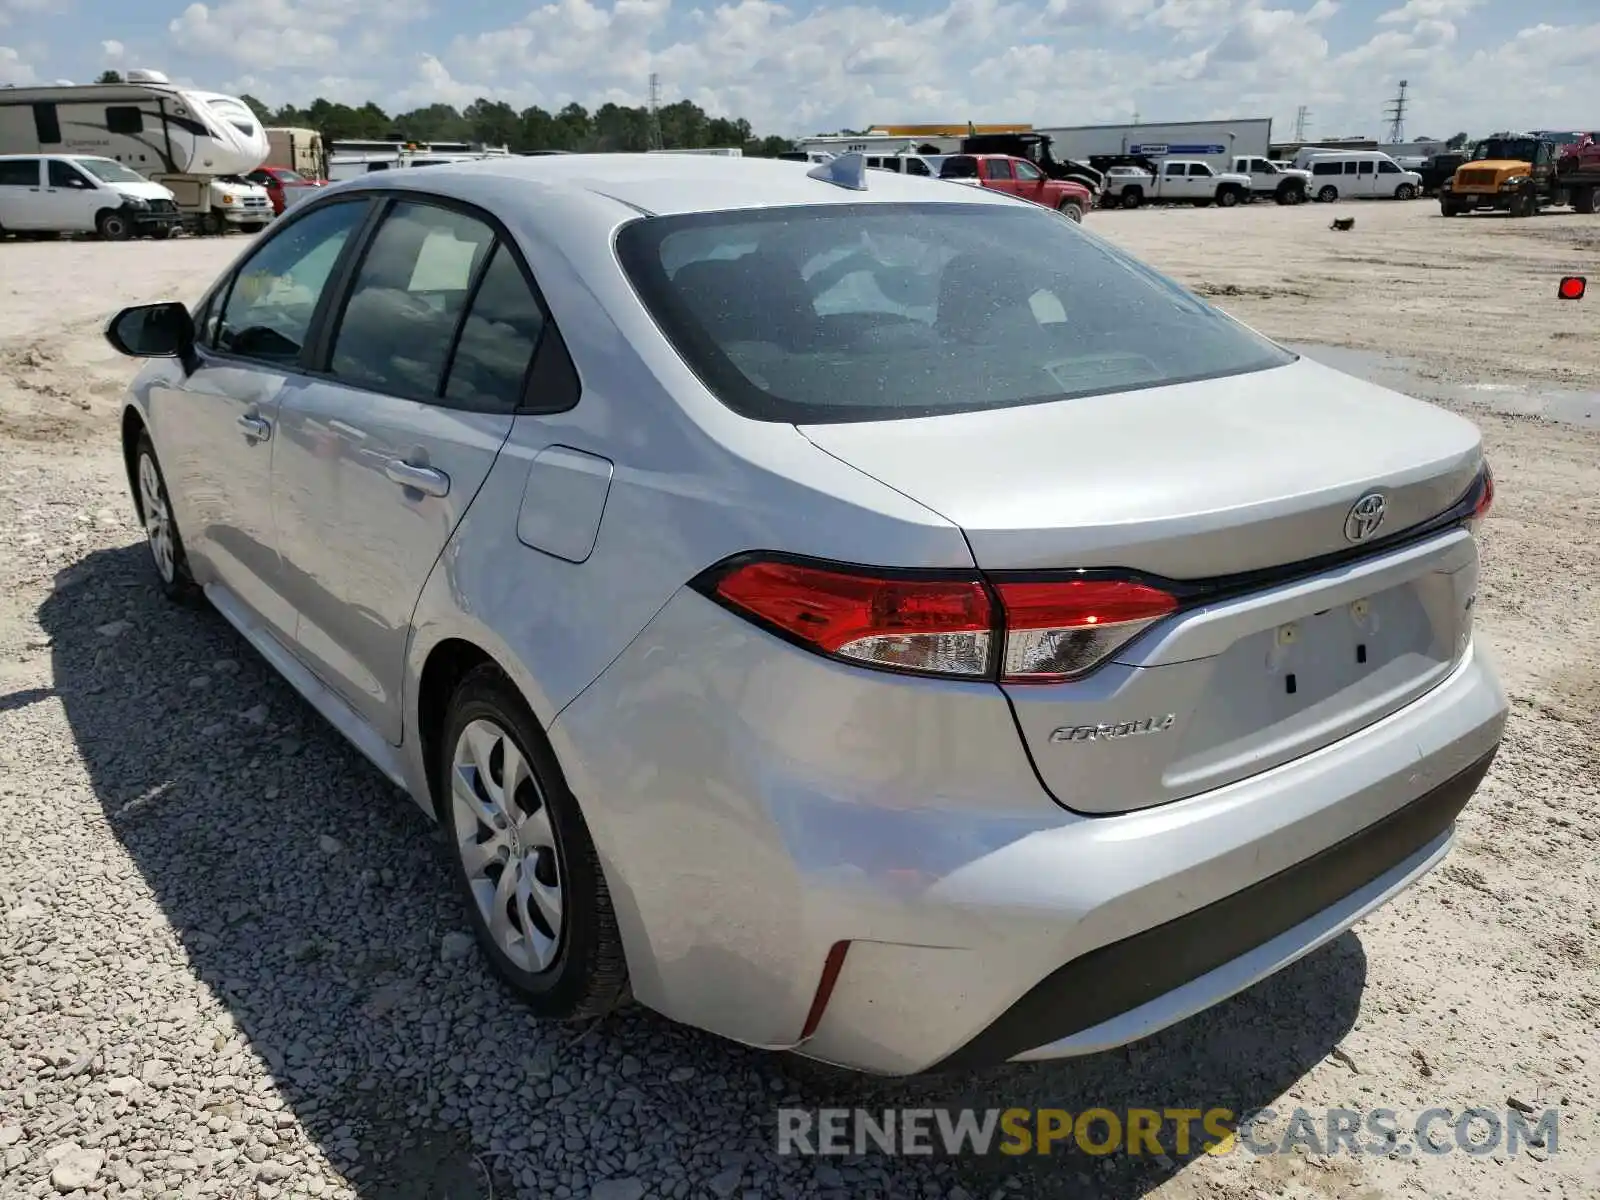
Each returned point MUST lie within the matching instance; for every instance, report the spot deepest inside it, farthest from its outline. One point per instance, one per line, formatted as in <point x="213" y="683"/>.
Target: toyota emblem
<point x="1366" y="514"/>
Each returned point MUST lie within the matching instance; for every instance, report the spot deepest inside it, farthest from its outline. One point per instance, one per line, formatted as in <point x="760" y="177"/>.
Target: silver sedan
<point x="847" y="613"/>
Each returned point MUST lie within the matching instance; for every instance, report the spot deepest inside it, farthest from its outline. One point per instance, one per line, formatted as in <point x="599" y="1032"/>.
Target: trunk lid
<point x="1249" y="473"/>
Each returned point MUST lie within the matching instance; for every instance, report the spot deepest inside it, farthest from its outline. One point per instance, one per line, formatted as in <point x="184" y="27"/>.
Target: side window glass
<point x="63" y="175"/>
<point x="1350" y="168"/>
<point x="268" y="311"/>
<point x="498" y="339"/>
<point x="1175" y="169"/>
<point x="999" y="168"/>
<point x="20" y="172"/>
<point x="915" y="166"/>
<point x="1027" y="171"/>
<point x="396" y="330"/>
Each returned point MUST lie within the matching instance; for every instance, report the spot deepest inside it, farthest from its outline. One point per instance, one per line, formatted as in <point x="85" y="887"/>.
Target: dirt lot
<point x="220" y="967"/>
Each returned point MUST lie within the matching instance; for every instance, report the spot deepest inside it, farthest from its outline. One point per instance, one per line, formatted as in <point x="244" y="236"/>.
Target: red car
<point x="283" y="186"/>
<point x="1018" y="177"/>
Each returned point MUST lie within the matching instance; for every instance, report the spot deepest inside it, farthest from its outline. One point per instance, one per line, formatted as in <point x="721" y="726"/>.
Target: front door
<point x="22" y="199"/>
<point x="75" y="198"/>
<point x="216" y="428"/>
<point x="379" y="459"/>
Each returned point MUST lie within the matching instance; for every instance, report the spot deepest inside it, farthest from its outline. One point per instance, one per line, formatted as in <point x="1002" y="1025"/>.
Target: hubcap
<point x="157" y="518"/>
<point x="507" y="846"/>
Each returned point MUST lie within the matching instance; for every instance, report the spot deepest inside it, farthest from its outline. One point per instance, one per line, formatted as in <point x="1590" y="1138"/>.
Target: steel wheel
<point x="1328" y="194"/>
<point x="157" y="519"/>
<point x="1071" y="211"/>
<point x="508" y="846"/>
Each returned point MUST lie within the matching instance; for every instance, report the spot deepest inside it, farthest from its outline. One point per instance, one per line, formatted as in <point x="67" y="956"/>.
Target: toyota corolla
<point x="847" y="613"/>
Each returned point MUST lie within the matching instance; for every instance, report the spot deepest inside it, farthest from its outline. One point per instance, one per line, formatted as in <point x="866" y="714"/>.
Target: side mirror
<point x="1573" y="287"/>
<point x="152" y="331"/>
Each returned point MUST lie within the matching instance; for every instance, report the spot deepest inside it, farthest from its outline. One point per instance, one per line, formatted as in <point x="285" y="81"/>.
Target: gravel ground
<point x="231" y="964"/>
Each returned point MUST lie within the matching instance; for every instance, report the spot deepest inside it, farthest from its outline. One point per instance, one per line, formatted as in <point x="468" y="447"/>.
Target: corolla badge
<point x="1115" y="729"/>
<point x="1365" y="515"/>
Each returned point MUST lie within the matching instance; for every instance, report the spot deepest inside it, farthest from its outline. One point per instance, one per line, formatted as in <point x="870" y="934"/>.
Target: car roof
<point x="671" y="184"/>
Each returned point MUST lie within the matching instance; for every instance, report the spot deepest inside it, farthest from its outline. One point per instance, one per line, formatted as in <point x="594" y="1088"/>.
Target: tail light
<point x="1484" y="498"/>
<point x="956" y="625"/>
<point x="1062" y="629"/>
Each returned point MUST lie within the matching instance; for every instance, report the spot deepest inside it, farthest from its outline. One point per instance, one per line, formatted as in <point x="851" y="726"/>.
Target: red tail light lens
<point x="1485" y="500"/>
<point x="930" y="626"/>
<point x="1573" y="287"/>
<point x="1060" y="630"/>
<point x="1041" y="632"/>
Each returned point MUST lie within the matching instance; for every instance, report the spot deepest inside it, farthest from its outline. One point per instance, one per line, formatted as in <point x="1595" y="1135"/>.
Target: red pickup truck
<point x="1017" y="177"/>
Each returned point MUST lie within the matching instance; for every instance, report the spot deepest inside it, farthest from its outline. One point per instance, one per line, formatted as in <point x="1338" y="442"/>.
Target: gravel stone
<point x="73" y="1167"/>
<point x="455" y="946"/>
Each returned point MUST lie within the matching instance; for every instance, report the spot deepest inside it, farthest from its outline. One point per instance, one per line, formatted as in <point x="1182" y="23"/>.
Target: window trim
<point x="319" y="348"/>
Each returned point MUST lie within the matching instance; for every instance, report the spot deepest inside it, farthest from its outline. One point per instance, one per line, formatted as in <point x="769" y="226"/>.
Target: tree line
<point x="684" y="125"/>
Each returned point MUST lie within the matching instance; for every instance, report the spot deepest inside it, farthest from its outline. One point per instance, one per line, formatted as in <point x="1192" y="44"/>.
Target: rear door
<point x="1175" y="181"/>
<point x="421" y="372"/>
<point x="1367" y="177"/>
<point x="22" y="200"/>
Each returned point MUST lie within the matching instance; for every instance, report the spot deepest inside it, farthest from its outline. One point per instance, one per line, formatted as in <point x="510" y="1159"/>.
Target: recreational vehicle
<point x="197" y="144"/>
<point x="300" y="150"/>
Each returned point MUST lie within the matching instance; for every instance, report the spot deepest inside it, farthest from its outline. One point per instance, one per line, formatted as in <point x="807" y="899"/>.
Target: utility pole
<point x="655" y="115"/>
<point x="1396" y="112"/>
<point x="1301" y="117"/>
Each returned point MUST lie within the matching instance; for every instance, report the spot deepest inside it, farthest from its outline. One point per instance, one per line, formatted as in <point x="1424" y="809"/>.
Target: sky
<point x="809" y="66"/>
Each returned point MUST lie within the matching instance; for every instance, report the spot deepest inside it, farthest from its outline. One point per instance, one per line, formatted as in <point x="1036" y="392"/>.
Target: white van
<point x="903" y="164"/>
<point x="1352" y="173"/>
<point x="82" y="193"/>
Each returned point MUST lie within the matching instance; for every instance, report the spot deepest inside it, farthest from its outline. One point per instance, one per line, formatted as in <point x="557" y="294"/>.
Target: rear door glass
<point x="398" y="325"/>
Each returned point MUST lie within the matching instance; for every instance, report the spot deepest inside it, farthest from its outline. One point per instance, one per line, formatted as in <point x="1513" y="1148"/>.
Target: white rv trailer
<point x="195" y="143"/>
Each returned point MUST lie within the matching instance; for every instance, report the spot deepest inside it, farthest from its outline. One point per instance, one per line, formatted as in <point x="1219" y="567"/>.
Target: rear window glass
<point x="876" y="311"/>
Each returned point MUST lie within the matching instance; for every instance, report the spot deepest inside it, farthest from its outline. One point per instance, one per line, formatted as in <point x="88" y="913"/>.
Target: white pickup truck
<point x="1177" y="181"/>
<point x="1286" y="185"/>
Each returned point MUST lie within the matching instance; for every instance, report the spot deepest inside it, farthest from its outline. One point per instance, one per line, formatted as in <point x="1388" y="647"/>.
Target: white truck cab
<point x="1194" y="181"/>
<point x="1286" y="185"/>
<point x="82" y="193"/>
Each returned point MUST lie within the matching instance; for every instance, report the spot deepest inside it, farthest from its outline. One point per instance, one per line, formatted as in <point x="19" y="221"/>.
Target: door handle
<point x="429" y="480"/>
<point x="255" y="428"/>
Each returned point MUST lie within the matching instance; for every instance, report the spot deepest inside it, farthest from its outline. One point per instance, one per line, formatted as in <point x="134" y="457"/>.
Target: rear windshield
<point x="879" y="311"/>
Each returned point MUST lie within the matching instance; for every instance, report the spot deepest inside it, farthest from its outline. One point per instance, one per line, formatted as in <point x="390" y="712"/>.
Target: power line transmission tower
<point x="1396" y="112"/>
<point x="1301" y="117"/>
<point x="655" y="115"/>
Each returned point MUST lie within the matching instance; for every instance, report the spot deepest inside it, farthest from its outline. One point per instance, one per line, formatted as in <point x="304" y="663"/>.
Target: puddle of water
<point x="1405" y="375"/>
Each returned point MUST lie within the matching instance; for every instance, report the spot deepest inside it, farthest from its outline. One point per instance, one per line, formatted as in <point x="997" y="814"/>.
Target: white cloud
<point x="1425" y="10"/>
<point x="112" y="49"/>
<point x="8" y="8"/>
<point x="13" y="70"/>
<point x="291" y="33"/>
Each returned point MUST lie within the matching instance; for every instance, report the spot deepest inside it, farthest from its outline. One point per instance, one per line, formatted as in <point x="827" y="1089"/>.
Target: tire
<point x="113" y="226"/>
<point x="168" y="232"/>
<point x="1132" y="198"/>
<point x="1072" y="211"/>
<point x="1227" y="197"/>
<point x="1521" y="206"/>
<point x="1405" y="192"/>
<point x="1448" y="210"/>
<point x="160" y="526"/>
<point x="1328" y="194"/>
<point x="1583" y="200"/>
<point x="569" y="964"/>
<point x="214" y="223"/>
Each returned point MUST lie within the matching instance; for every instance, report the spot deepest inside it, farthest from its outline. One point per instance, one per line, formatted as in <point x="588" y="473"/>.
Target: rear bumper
<point x="754" y="805"/>
<point x="1142" y="983"/>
